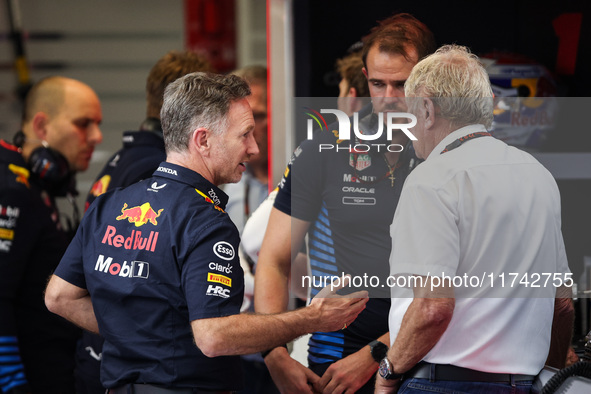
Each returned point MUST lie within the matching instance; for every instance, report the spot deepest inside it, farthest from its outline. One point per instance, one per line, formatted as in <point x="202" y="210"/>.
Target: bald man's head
<point x="64" y="114"/>
<point x="46" y="96"/>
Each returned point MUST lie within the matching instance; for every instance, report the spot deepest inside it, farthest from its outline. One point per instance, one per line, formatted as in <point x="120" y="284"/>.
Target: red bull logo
<point x="139" y="215"/>
<point x="11" y="212"/>
<point x="100" y="186"/>
<point x="135" y="241"/>
<point x="22" y="174"/>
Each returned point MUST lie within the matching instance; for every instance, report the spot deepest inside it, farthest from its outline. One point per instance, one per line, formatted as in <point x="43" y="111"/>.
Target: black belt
<point x="436" y="372"/>
<point x="133" y="388"/>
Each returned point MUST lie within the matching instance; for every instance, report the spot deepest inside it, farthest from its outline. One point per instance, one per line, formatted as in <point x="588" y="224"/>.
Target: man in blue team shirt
<point x="140" y="155"/>
<point x="154" y="268"/>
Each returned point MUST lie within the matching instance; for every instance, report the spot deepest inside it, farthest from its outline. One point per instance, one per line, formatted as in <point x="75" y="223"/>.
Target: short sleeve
<point x="300" y="188"/>
<point x="211" y="276"/>
<point x="425" y="236"/>
<point x="71" y="267"/>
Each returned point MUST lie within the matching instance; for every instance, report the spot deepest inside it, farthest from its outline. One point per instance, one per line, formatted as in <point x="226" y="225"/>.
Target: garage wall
<point x="110" y="45"/>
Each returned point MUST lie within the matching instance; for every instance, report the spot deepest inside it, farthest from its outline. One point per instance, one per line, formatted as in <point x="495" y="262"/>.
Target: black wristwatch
<point x="378" y="350"/>
<point x="387" y="371"/>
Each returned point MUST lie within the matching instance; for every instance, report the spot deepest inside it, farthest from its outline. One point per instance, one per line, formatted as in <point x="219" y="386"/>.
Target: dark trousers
<point x="257" y="379"/>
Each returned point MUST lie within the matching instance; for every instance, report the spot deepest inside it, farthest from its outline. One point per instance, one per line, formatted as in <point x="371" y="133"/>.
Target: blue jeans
<point x="412" y="385"/>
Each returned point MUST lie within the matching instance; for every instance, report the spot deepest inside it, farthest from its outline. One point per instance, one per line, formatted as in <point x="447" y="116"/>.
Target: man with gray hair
<point x="475" y="215"/>
<point x="141" y="152"/>
<point x="154" y="267"/>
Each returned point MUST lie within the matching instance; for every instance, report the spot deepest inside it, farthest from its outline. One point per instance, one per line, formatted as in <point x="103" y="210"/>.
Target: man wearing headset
<point x="60" y="129"/>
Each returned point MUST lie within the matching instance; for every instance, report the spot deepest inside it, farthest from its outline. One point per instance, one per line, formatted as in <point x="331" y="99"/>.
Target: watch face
<point x="385" y="368"/>
<point x="387" y="371"/>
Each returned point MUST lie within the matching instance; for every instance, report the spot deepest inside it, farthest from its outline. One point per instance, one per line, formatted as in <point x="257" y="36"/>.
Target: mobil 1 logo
<point x="134" y="269"/>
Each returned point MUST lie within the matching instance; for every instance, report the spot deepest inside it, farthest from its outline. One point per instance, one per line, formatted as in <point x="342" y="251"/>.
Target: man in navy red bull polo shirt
<point x="154" y="267"/>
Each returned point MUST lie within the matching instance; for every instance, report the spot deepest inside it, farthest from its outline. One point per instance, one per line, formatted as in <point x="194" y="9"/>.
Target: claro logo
<point x="134" y="269"/>
<point x="221" y="268"/>
<point x="223" y="250"/>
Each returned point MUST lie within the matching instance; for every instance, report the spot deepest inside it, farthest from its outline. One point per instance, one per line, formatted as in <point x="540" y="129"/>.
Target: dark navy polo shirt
<point x="349" y="200"/>
<point x="155" y="256"/>
<point x="31" y="245"/>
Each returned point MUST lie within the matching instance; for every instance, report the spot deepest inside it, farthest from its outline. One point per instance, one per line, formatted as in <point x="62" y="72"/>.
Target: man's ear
<point x="352" y="92"/>
<point x="201" y="140"/>
<point x="429" y="109"/>
<point x="39" y="123"/>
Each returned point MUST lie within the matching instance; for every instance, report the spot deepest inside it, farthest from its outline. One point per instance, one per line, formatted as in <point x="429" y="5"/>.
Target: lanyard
<point x="463" y="139"/>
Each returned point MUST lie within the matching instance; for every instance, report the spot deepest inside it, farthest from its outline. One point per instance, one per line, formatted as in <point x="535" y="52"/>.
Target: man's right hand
<point x="289" y="375"/>
<point x="336" y="311"/>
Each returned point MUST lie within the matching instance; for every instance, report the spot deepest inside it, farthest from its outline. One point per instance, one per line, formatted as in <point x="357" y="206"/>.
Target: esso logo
<point x="223" y="250"/>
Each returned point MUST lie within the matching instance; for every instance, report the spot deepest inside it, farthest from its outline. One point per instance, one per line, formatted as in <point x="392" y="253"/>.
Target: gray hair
<point x="457" y="83"/>
<point x="198" y="100"/>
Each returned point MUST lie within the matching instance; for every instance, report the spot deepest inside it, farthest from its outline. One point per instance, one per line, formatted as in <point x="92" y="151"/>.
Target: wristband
<point x="266" y="352"/>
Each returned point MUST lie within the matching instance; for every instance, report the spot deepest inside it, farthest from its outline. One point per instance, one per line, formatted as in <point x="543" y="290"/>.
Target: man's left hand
<point x="348" y="374"/>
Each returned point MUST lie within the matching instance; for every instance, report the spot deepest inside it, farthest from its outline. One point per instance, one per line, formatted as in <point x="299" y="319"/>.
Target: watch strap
<point x="378" y="350"/>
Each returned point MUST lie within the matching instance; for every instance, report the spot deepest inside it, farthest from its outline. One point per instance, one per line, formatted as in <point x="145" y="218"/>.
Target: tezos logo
<point x="223" y="250"/>
<point x="344" y="132"/>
